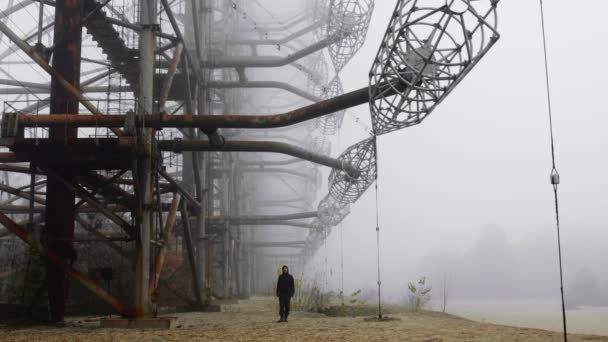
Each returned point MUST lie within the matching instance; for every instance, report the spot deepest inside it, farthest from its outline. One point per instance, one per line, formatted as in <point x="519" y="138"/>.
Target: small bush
<point x="419" y="295"/>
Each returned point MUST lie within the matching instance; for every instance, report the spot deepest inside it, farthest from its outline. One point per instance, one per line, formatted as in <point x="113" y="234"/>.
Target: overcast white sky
<point x="482" y="158"/>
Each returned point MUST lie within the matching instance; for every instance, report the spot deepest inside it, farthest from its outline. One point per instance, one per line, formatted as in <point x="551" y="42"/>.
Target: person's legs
<point x="282" y="308"/>
<point x="287" y="301"/>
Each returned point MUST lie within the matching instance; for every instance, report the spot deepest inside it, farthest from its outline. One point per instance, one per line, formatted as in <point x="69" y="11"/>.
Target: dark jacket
<point x="285" y="285"/>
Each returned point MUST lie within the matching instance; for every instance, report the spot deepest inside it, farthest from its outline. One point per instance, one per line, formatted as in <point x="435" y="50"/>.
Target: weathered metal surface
<point x="88" y="145"/>
<point x="60" y="211"/>
<point x="168" y="81"/>
<point x="261" y="146"/>
<point x="313" y="111"/>
<point x="61" y="262"/>
<point x="21" y="194"/>
<point x="198" y="290"/>
<point x="167" y="232"/>
<point x="67" y="185"/>
<point x="69" y="87"/>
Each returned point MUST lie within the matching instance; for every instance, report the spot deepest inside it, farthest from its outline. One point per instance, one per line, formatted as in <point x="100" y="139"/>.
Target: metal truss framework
<point x="166" y="175"/>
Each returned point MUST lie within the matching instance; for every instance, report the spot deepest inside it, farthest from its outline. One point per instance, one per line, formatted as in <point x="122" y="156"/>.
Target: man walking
<point x="285" y="290"/>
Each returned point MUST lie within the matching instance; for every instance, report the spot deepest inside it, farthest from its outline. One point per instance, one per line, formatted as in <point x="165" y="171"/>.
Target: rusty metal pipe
<point x="264" y="218"/>
<point x="196" y="283"/>
<point x="179" y="146"/>
<point x="58" y="262"/>
<point x="160" y="257"/>
<point x="207" y="122"/>
<point x="260" y="146"/>
<point x="168" y="81"/>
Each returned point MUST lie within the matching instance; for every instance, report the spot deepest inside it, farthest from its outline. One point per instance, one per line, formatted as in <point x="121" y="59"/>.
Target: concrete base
<point x="140" y="323"/>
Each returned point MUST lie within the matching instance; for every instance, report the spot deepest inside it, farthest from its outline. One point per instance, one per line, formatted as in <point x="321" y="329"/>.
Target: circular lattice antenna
<point x="331" y="213"/>
<point x="348" y="22"/>
<point x="318" y="72"/>
<point x="345" y="189"/>
<point x="320" y="144"/>
<point x="330" y="124"/>
<point x="429" y="47"/>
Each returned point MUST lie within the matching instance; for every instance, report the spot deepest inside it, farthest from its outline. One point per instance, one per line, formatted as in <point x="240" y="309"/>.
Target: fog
<point x="465" y="196"/>
<point x="467" y="192"/>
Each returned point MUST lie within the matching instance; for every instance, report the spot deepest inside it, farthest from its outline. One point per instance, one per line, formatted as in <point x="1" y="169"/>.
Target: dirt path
<point x="254" y="321"/>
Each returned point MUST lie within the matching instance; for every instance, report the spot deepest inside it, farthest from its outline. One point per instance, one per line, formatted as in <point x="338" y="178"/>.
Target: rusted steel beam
<point x="9" y="157"/>
<point x="82" y="193"/>
<point x="60" y="213"/>
<point x="37" y="220"/>
<point x="37" y="187"/>
<point x="24" y="209"/>
<point x="196" y="281"/>
<point x="168" y="81"/>
<point x="87" y="227"/>
<point x="178" y="33"/>
<point x="181" y="189"/>
<point x="69" y="87"/>
<point x="22" y="194"/>
<point x="313" y="111"/>
<point x="60" y="262"/>
<point x="15" y="168"/>
<point x="160" y="257"/>
<point x="105" y="187"/>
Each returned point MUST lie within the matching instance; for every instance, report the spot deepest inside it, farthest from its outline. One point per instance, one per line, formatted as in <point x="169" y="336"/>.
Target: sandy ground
<point x="254" y="320"/>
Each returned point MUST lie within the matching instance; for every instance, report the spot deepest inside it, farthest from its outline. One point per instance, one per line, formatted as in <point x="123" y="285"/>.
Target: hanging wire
<point x="554" y="174"/>
<point x="342" y="263"/>
<point x="378" y="230"/>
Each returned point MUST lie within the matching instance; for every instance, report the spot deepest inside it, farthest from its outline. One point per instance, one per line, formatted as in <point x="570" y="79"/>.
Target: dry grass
<point x="254" y="320"/>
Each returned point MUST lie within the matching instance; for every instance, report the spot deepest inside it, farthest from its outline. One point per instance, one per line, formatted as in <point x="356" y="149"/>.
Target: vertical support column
<point x="226" y="261"/>
<point x="60" y="210"/>
<point x="143" y="163"/>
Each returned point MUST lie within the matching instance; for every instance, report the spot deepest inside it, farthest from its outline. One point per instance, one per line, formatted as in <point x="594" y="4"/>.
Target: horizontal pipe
<point x="313" y="111"/>
<point x="260" y="146"/>
<point x="286" y="244"/>
<point x="179" y="146"/>
<point x="264" y="218"/>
